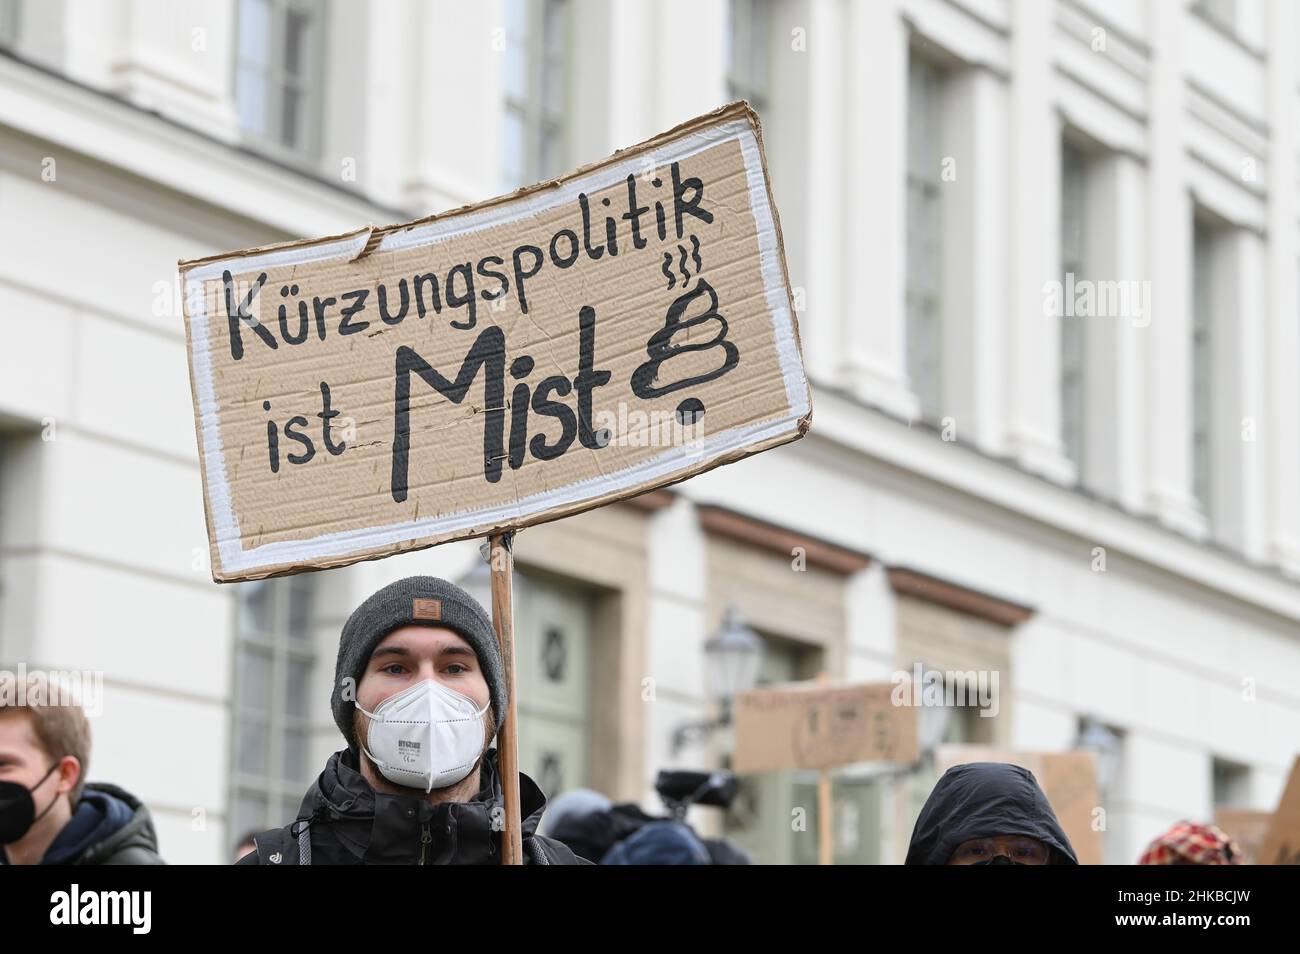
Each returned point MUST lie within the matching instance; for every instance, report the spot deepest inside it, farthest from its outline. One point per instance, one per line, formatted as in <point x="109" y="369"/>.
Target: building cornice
<point x="724" y="523"/>
<point x="954" y="596"/>
<point x="50" y="107"/>
<point x="847" y="423"/>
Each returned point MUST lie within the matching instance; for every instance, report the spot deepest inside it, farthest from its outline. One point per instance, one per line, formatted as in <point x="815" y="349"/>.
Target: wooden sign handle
<point x="502" y="564"/>
<point x="825" y="808"/>
<point x="825" y="831"/>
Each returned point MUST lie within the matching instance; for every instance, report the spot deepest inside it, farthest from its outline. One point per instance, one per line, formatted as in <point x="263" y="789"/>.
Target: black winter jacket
<point x="109" y="826"/>
<point x="344" y="821"/>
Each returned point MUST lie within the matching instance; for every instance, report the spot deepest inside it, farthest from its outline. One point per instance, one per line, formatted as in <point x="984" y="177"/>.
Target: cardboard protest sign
<point x="622" y="327"/>
<point x="1068" y="779"/>
<point x="1281" y="844"/>
<point x="818" y="725"/>
<point x="1247" y="828"/>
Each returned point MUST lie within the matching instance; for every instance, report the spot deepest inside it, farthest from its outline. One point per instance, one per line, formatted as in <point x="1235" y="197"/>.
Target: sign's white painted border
<point x="225" y="527"/>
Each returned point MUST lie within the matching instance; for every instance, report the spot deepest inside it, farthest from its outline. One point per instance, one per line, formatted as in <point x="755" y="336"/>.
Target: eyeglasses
<point x="1020" y="849"/>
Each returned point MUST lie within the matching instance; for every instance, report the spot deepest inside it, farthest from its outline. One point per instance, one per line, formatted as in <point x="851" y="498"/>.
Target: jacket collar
<point x="378" y="828"/>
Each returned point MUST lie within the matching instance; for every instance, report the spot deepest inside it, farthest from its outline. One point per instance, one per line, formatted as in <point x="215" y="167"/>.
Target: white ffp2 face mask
<point x="426" y="736"/>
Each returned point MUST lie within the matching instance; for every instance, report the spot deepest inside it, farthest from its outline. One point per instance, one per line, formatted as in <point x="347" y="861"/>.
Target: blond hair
<point x="58" y="722"/>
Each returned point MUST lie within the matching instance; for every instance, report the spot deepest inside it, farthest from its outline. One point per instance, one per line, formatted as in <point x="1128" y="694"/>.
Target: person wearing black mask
<point x="988" y="813"/>
<point x="49" y="814"/>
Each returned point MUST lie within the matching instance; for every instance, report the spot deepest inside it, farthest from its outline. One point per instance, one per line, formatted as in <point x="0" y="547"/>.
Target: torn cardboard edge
<point x="230" y="562"/>
<point x="739" y="109"/>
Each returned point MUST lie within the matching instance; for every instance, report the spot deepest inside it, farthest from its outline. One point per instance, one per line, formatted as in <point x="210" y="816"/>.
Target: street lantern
<point x="931" y="725"/>
<point x="732" y="657"/>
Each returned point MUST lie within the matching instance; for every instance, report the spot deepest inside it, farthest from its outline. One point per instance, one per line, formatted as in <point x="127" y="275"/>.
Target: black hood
<point x="376" y="828"/>
<point x="981" y="800"/>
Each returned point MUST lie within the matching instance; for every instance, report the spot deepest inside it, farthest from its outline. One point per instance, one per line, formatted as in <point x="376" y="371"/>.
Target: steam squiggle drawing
<point x="682" y="269"/>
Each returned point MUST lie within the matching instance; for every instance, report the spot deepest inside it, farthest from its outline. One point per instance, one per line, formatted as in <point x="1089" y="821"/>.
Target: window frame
<point x="1201" y="373"/>
<point x="1230" y="782"/>
<point x="924" y="300"/>
<point x="283" y="647"/>
<point x="273" y="82"/>
<point x="1213" y="12"/>
<point x="10" y="23"/>
<point x="743" y="80"/>
<point x="1073" y="330"/>
<point x="537" y="122"/>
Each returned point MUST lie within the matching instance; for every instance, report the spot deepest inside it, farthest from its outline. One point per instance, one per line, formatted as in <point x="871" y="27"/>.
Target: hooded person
<point x="419" y="692"/>
<point x="988" y="813"/>
<point x="49" y="814"/>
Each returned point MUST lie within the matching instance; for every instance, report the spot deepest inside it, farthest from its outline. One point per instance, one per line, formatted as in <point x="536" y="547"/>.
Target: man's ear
<point x="69" y="774"/>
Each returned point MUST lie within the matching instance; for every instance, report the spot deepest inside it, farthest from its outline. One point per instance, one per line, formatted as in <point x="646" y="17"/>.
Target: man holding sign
<point x="418" y="694"/>
<point x="580" y="341"/>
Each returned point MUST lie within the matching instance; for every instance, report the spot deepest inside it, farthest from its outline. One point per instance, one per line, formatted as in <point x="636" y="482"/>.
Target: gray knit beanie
<point x="414" y="601"/>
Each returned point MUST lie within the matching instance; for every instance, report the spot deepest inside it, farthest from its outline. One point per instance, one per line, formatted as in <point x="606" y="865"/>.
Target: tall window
<point x="1073" y="394"/>
<point x="533" y="133"/>
<point x="278" y="74"/>
<point x="1231" y="784"/>
<point x="749" y="57"/>
<point x="8" y="23"/>
<point x="1202" y="377"/>
<point x="1222" y="12"/>
<point x="271" y="743"/>
<point x="924" y="328"/>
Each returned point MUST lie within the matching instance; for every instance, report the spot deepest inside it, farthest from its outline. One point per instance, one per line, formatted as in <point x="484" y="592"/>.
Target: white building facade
<point x="1045" y="260"/>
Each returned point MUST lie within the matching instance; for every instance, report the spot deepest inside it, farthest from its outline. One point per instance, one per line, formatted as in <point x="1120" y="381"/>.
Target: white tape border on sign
<point x="234" y="559"/>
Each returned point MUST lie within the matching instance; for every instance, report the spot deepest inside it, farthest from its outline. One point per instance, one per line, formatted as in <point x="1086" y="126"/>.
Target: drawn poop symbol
<point x="674" y="339"/>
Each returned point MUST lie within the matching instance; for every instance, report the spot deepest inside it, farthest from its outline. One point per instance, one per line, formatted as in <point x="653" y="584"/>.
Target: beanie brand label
<point x="426" y="609"/>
